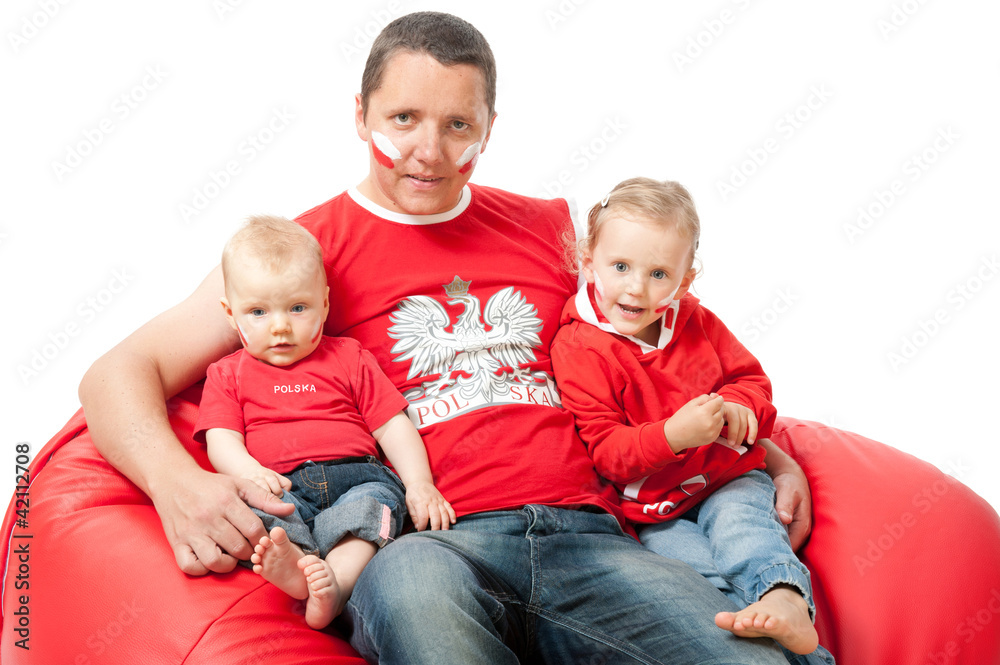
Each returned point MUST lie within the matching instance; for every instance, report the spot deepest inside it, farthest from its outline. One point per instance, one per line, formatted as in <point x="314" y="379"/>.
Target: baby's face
<point x="278" y="314"/>
<point x="637" y="267"/>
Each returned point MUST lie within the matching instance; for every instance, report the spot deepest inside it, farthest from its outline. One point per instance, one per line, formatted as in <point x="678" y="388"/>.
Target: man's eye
<point x="620" y="267"/>
<point x="403" y="118"/>
<point x="458" y="124"/>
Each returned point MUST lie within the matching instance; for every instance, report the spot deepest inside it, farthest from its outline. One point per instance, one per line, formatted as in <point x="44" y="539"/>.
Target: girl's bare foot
<point x="781" y="614"/>
<point x="324" y="602"/>
<point x="275" y="558"/>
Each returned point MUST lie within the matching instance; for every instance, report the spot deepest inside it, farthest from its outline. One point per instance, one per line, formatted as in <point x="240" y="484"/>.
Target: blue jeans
<point x="735" y="540"/>
<point x="333" y="499"/>
<point x="539" y="585"/>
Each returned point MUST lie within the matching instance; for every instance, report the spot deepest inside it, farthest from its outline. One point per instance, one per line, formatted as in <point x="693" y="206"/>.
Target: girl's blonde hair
<point x="666" y="202"/>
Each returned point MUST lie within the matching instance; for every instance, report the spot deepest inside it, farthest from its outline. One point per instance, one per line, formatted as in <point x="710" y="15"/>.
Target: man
<point x="457" y="291"/>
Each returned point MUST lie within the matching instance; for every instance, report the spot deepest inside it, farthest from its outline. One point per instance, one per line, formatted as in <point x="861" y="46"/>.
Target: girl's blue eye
<point x="620" y="267"/>
<point x="659" y="274"/>
<point x="298" y="309"/>
<point x="257" y="312"/>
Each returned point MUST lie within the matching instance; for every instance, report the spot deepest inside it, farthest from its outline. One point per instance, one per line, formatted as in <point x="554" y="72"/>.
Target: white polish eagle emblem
<point x="480" y="343"/>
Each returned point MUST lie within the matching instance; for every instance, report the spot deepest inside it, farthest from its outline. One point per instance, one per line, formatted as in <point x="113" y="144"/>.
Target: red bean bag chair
<point x="905" y="563"/>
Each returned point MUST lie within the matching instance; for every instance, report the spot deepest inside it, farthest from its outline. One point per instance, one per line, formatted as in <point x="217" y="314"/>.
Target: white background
<point x="838" y="97"/>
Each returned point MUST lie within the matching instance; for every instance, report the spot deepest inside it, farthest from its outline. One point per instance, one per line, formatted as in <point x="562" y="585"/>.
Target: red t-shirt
<point x="622" y="391"/>
<point x="321" y="408"/>
<point x="459" y="309"/>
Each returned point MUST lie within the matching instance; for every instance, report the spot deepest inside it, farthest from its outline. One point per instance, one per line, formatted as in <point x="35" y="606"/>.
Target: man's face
<point x="425" y="127"/>
<point x="278" y="315"/>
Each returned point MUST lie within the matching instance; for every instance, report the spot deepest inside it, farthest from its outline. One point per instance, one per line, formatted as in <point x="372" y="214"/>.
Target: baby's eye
<point x="298" y="309"/>
<point x="257" y="312"/>
<point x="620" y="266"/>
<point x="659" y="274"/>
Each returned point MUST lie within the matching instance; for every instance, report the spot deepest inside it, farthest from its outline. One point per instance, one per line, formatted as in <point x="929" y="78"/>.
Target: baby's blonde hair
<point x="666" y="202"/>
<point x="277" y="242"/>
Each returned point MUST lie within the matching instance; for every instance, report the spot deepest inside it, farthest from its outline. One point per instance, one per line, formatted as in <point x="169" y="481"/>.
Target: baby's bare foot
<point x="781" y="614"/>
<point x="324" y="603"/>
<point x="275" y="558"/>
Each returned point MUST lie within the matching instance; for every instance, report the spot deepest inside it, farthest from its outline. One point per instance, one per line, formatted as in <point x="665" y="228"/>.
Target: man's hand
<point x="426" y="504"/>
<point x="207" y="522"/>
<point x="794" y="501"/>
<point x="697" y="423"/>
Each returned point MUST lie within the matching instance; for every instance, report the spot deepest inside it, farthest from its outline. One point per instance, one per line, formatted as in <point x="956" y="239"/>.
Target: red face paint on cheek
<point x="383" y="149"/>
<point x="382" y="158"/>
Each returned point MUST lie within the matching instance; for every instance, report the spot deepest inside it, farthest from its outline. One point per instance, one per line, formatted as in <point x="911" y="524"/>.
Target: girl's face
<point x="638" y="266"/>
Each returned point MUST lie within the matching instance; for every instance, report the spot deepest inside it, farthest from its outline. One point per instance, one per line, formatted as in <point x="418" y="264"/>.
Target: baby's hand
<point x="742" y="424"/>
<point x="425" y="503"/>
<point x="273" y="482"/>
<point x="697" y="423"/>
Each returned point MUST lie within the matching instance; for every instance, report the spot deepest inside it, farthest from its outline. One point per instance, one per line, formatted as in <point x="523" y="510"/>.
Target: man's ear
<point x="359" y="119"/>
<point x="486" y="138"/>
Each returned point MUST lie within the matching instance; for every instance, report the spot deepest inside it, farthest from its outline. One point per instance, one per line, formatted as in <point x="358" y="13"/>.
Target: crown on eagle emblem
<point x="458" y="287"/>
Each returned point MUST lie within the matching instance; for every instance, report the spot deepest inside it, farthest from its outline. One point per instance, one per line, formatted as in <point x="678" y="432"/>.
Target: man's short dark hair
<point x="446" y="38"/>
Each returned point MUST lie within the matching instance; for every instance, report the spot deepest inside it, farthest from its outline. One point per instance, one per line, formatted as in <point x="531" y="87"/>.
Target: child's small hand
<point x="426" y="504"/>
<point x="273" y="482"/>
<point x="742" y="424"/>
<point x="697" y="423"/>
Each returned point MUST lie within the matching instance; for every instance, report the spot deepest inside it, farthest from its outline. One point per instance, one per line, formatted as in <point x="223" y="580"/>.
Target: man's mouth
<point x="422" y="178"/>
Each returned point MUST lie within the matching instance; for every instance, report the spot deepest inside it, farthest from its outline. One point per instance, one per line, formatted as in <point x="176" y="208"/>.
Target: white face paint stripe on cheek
<point x="598" y="286"/>
<point x="469" y="157"/>
<point x="385" y="151"/>
<point x="243" y="335"/>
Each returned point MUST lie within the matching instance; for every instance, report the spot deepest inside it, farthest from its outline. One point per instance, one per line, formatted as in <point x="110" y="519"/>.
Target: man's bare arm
<point x="123" y="394"/>
<point x="794" y="499"/>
